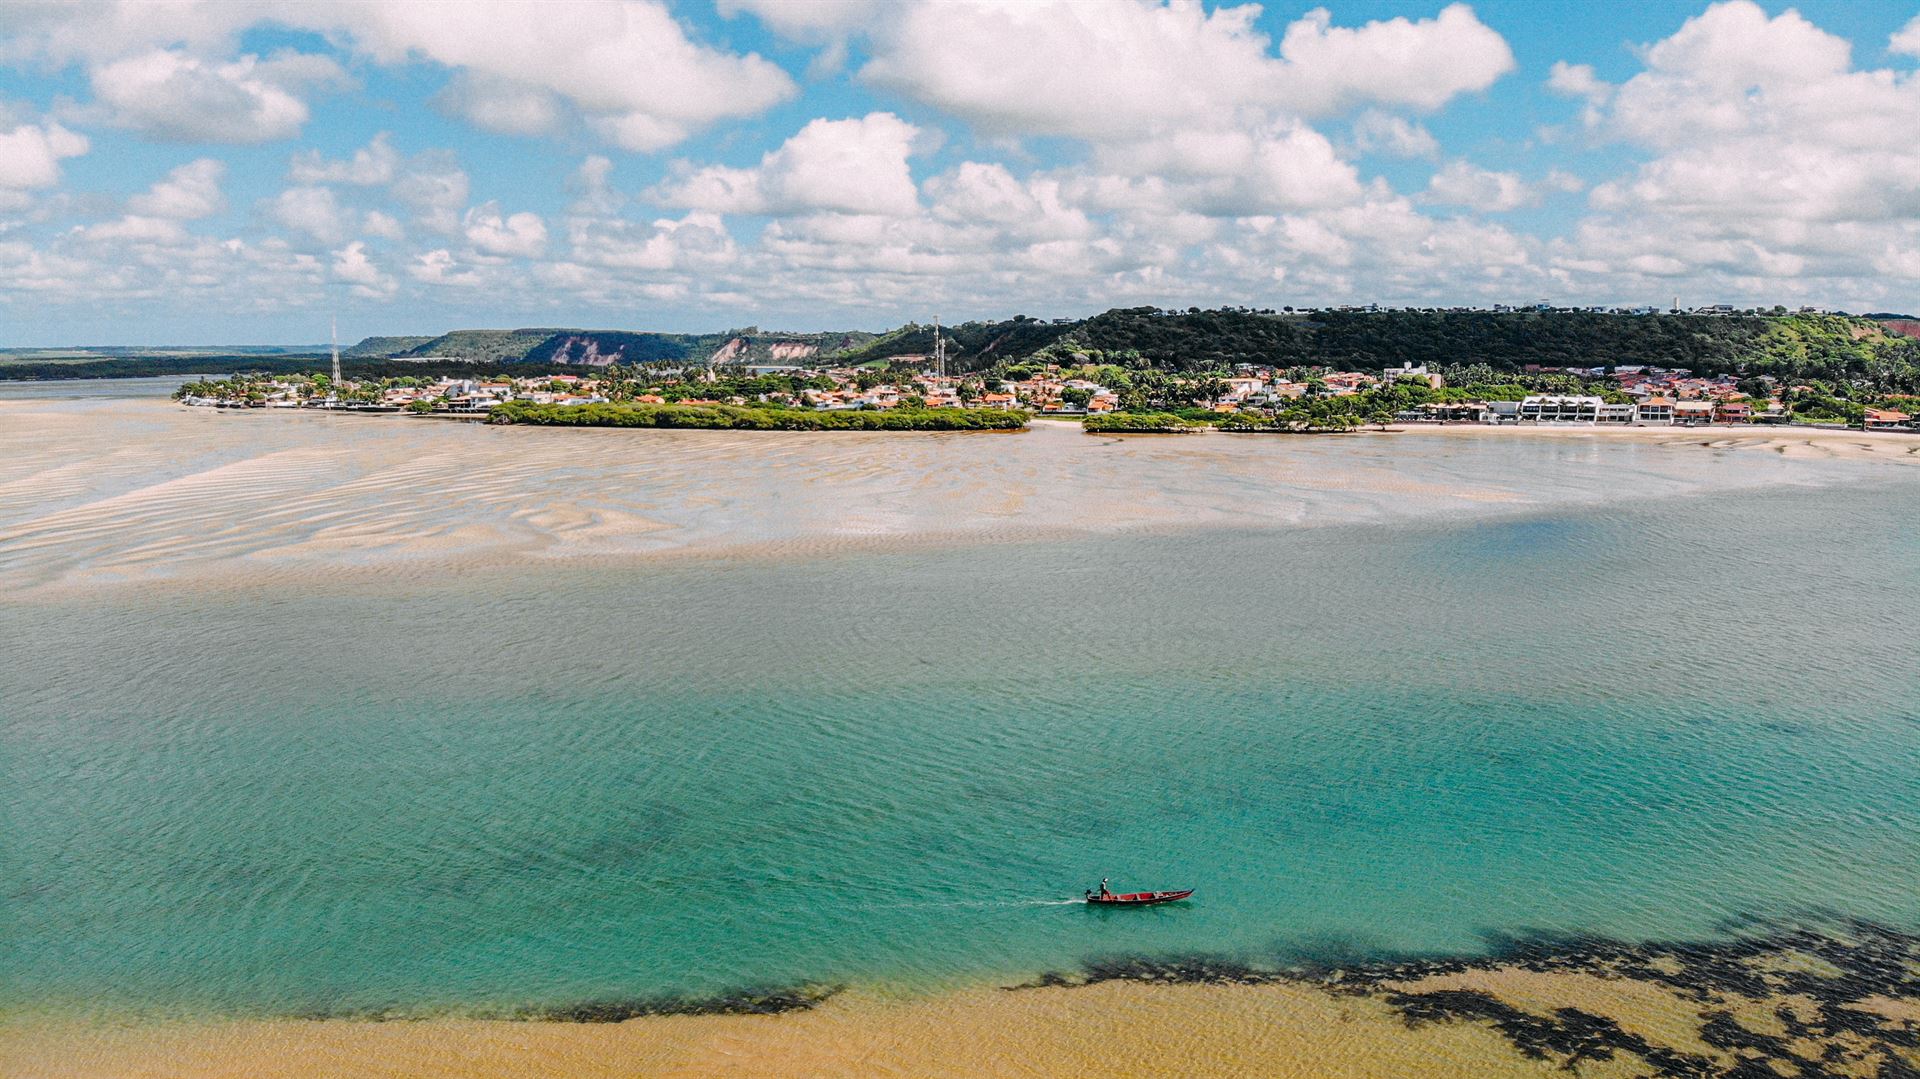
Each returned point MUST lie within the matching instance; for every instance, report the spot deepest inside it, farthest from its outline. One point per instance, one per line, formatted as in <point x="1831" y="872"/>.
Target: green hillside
<point x="380" y="348"/>
<point x="600" y="347"/>
<point x="480" y="346"/>
<point x="970" y="345"/>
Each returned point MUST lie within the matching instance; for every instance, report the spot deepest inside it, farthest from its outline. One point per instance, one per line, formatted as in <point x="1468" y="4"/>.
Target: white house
<point x="1559" y="408"/>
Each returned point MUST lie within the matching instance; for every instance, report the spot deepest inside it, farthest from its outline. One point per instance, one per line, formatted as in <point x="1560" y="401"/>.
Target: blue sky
<point x="238" y="171"/>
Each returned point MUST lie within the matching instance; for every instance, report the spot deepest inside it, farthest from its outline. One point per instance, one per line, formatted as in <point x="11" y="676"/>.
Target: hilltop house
<point x="1409" y="373"/>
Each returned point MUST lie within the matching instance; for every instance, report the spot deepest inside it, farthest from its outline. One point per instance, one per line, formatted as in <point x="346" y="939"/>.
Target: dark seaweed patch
<point x="773" y="1001"/>
<point x="1569" y="1034"/>
<point x="1827" y="1033"/>
<point x="739" y="1002"/>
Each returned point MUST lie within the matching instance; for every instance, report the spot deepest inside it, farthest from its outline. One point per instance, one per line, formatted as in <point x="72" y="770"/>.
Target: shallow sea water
<point x="1651" y="694"/>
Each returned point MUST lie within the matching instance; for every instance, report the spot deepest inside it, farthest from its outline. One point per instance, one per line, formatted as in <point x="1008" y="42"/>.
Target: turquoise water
<point x="574" y="782"/>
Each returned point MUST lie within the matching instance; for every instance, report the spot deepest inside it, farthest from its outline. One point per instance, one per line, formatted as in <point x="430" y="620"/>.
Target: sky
<point x="179" y="171"/>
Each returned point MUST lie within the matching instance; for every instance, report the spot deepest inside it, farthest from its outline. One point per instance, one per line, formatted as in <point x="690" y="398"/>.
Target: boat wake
<point x="1001" y="903"/>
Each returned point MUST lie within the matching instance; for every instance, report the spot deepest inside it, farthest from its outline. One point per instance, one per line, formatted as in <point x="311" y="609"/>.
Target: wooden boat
<point x="1136" y="899"/>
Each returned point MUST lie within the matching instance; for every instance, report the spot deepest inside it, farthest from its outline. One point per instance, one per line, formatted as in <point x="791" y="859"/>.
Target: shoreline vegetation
<point x="1839" y="1000"/>
<point x="1289" y="422"/>
<point x="742" y="418"/>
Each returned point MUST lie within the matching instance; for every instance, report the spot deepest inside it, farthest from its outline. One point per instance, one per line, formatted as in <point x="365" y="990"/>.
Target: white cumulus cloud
<point x="439" y="267"/>
<point x="502" y="106"/>
<point x="628" y="67"/>
<point x="854" y="166"/>
<point x="172" y="95"/>
<point x="1132" y="68"/>
<point x="1461" y="183"/>
<point x="1906" y="39"/>
<point x="434" y="186"/>
<point x="1775" y="165"/>
<point x="189" y="192"/>
<point x="1379" y="132"/>
<point x="521" y="235"/>
<point x="311" y="211"/>
<point x="374" y="163"/>
<point x="1577" y="80"/>
<point x="807" y="20"/>
<point x="354" y="266"/>
<point x="1422" y="63"/>
<point x="30" y="154"/>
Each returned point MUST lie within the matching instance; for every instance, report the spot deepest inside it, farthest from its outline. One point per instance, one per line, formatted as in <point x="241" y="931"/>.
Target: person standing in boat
<point x="1104" y="893"/>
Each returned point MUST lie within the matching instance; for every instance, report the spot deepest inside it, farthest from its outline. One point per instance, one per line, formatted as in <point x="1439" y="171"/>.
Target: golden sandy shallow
<point x="1119" y="1028"/>
<point x="1602" y="1010"/>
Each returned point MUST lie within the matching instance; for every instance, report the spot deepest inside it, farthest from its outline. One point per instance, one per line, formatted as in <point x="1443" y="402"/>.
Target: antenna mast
<point x="939" y="350"/>
<point x="336" y="353"/>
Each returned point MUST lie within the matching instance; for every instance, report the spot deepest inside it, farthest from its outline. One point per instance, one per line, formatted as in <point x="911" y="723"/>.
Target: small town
<point x="1616" y="396"/>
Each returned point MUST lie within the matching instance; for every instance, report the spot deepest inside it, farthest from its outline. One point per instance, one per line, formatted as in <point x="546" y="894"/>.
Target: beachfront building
<point x="1688" y="413"/>
<point x="1461" y="412"/>
<point x="1885" y="419"/>
<point x="1655" y="411"/>
<point x="1733" y="412"/>
<point x="1620" y="415"/>
<point x="1560" y="408"/>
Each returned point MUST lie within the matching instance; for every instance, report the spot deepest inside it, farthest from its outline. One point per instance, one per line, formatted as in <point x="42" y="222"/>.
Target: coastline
<point x="1828" y="1002"/>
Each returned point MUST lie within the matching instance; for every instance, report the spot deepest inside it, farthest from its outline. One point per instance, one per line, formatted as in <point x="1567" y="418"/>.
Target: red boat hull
<point x="1137" y="899"/>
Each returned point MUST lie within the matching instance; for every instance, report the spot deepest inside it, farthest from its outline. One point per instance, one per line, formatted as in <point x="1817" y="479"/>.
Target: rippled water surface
<point x="1676" y="697"/>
